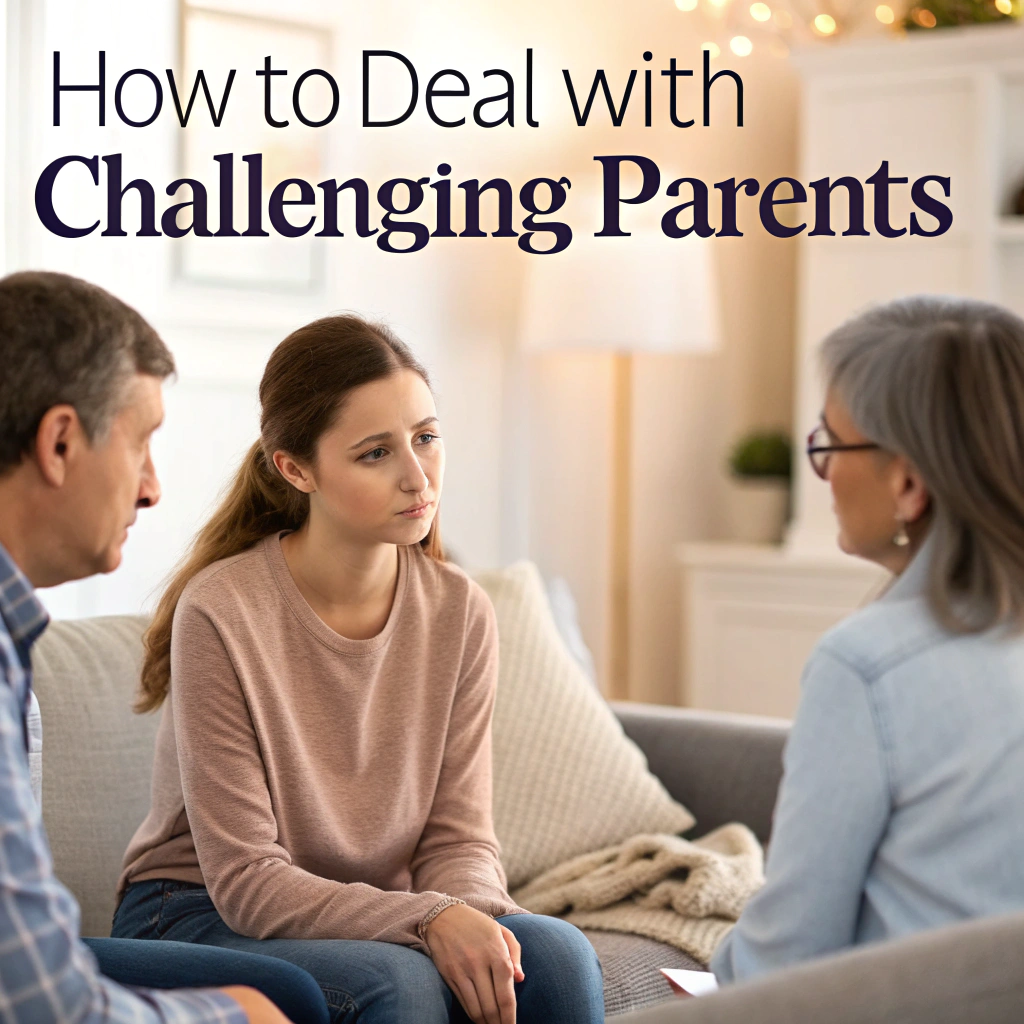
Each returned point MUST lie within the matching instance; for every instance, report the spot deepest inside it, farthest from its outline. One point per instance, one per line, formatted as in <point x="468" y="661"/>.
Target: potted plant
<point x="761" y="464"/>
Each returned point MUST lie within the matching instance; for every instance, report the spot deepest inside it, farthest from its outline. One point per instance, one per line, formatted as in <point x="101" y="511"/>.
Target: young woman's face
<point x="380" y="467"/>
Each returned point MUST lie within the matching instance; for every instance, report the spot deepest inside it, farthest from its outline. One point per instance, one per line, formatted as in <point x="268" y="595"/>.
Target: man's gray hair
<point x="940" y="381"/>
<point x="63" y="340"/>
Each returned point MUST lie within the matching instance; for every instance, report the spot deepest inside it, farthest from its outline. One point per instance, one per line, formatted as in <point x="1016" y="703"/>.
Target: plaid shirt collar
<point x="22" y="612"/>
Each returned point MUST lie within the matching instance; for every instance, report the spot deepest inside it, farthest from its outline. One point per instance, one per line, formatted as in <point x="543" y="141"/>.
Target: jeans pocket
<point x="181" y="907"/>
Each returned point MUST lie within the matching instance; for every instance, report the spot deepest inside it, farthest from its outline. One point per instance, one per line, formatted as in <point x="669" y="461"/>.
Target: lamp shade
<point x="641" y="293"/>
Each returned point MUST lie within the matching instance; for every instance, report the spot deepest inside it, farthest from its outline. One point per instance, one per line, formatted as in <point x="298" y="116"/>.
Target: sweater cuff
<point x="421" y="928"/>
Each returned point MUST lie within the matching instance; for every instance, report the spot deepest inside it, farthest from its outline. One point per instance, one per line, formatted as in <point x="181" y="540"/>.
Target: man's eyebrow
<point x="387" y="435"/>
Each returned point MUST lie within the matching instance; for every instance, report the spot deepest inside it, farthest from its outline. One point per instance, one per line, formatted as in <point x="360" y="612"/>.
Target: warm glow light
<point x="712" y="49"/>
<point x="783" y="19"/>
<point x="719" y="3"/>
<point x="825" y="24"/>
<point x="686" y="5"/>
<point x="885" y="14"/>
<point x="924" y="18"/>
<point x="762" y="12"/>
<point x="741" y="46"/>
<point x="1004" y="6"/>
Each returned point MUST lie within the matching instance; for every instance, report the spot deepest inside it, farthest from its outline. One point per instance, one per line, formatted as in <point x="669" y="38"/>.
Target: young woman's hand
<point x="258" y="1008"/>
<point x="479" y="961"/>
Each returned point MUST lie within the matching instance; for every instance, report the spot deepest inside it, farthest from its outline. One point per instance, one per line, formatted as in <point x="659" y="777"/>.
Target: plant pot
<point x="758" y="509"/>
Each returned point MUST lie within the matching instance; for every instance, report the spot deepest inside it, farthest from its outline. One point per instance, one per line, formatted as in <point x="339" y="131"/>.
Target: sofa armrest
<point x="963" y="972"/>
<point x="722" y="767"/>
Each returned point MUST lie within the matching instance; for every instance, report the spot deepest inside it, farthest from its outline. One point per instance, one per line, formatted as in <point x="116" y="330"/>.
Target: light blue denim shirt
<point x="902" y="803"/>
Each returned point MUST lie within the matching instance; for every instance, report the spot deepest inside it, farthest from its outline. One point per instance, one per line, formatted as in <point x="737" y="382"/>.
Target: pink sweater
<point x="321" y="787"/>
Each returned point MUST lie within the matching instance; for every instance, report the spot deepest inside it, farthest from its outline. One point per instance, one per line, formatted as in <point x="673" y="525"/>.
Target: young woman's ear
<point x="296" y="474"/>
<point x="57" y="439"/>
<point x="909" y="491"/>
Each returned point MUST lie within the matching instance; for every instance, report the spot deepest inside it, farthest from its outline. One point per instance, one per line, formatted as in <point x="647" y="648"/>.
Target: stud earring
<point x="902" y="538"/>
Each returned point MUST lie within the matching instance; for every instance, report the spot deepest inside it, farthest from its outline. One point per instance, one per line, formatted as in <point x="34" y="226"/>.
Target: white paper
<point x="691" y="983"/>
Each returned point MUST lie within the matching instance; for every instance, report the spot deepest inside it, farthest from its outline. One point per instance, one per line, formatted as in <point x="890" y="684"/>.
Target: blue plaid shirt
<point x="47" y="976"/>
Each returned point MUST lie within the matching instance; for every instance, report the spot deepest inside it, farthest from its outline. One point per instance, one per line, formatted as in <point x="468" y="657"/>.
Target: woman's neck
<point x="350" y="586"/>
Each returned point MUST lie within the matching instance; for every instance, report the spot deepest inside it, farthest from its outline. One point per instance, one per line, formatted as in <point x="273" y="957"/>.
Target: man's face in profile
<point x="111" y="479"/>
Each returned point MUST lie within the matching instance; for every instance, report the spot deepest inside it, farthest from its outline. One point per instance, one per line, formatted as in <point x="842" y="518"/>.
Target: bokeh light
<point x="885" y="14"/>
<point x="825" y="24"/>
<point x="760" y="12"/>
<point x="713" y="49"/>
<point x="741" y="46"/>
<point x="687" y="5"/>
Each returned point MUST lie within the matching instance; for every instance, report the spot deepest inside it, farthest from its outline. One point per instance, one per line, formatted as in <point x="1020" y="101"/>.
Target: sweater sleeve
<point x="458" y="852"/>
<point x="832" y="811"/>
<point x="251" y="879"/>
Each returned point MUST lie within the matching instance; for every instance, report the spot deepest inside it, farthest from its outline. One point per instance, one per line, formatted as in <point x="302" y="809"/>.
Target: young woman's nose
<point x="414" y="479"/>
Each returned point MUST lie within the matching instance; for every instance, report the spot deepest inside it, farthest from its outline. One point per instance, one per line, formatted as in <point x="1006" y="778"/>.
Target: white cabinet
<point x="751" y="616"/>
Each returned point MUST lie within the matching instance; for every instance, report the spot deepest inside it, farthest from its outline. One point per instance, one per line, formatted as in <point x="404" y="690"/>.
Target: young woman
<point x="901" y="807"/>
<point x="322" y="783"/>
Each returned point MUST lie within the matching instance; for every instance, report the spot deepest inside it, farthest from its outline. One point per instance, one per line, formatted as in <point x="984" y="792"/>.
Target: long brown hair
<point x="305" y="384"/>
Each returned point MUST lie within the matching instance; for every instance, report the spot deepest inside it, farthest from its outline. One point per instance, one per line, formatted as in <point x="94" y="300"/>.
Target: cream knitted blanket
<point x="687" y="894"/>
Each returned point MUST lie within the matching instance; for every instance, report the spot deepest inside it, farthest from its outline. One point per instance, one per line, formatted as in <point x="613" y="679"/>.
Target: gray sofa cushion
<point x="97" y="754"/>
<point x="632" y="980"/>
<point x="96" y="788"/>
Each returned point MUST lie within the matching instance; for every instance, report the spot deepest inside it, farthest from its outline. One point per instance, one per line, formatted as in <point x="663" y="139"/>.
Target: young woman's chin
<point x="409" y="531"/>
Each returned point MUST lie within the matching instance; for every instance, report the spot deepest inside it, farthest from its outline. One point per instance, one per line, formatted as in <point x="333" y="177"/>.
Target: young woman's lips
<point x="417" y="511"/>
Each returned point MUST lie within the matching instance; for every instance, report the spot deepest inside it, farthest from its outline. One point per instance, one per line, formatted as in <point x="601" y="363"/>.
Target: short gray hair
<point x="940" y="381"/>
<point x="63" y="340"/>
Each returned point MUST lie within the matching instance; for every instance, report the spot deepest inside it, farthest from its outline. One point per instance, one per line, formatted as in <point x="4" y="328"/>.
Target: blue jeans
<point x="380" y="982"/>
<point x="183" y="965"/>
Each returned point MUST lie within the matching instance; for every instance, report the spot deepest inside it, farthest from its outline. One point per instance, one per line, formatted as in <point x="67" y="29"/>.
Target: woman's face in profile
<point x="862" y="483"/>
<point x="380" y="467"/>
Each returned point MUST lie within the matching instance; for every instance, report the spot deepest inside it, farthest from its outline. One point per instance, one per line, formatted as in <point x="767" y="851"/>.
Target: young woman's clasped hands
<point x="479" y="960"/>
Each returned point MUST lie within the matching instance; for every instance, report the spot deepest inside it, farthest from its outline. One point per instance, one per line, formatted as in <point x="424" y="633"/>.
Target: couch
<point x="97" y="759"/>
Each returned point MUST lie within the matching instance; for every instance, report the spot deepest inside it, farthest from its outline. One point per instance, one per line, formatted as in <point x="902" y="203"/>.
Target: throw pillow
<point x="566" y="778"/>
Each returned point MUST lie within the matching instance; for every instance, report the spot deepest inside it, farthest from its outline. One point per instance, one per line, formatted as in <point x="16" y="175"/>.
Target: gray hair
<point x="940" y="381"/>
<point x="63" y="340"/>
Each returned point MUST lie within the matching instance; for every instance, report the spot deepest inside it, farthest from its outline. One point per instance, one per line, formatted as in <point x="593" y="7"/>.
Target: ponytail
<point x="259" y="503"/>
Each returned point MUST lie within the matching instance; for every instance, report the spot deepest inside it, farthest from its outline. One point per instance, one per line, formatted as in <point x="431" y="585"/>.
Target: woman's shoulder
<point x="881" y="636"/>
<point x="228" y="579"/>
<point x="449" y="587"/>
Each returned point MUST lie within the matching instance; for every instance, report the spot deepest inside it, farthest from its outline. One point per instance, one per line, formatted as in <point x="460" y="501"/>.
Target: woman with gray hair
<point x="902" y="803"/>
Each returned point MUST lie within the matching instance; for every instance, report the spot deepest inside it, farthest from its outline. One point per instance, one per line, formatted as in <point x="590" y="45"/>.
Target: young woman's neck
<point x="337" y="571"/>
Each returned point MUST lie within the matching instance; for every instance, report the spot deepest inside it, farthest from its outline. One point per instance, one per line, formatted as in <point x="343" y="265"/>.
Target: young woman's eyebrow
<point x="386" y="435"/>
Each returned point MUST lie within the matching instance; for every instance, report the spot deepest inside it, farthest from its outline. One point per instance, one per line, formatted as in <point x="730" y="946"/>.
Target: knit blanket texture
<point x="687" y="894"/>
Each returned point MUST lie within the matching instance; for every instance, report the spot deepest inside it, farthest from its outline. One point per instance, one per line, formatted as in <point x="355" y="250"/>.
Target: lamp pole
<point x="621" y="524"/>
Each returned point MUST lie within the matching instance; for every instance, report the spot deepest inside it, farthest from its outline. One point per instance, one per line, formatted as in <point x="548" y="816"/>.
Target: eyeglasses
<point x="819" y="451"/>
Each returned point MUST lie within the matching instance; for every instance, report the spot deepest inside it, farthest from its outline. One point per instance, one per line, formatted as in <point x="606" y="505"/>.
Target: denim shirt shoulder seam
<point x="883" y="735"/>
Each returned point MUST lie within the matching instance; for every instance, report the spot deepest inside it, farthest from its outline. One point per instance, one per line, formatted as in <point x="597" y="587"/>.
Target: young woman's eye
<point x="427" y="438"/>
<point x="374" y="455"/>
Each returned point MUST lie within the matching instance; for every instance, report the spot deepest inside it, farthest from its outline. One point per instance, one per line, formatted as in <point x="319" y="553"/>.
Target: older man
<point x="80" y="398"/>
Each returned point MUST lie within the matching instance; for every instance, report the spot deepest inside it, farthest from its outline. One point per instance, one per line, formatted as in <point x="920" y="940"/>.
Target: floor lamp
<point x="644" y="293"/>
